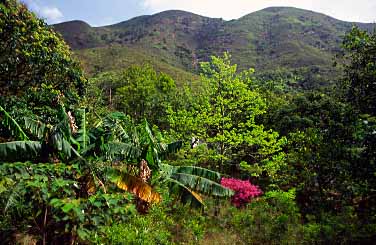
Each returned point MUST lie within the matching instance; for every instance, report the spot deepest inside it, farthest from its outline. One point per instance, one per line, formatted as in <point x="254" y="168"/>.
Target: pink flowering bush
<point x="244" y="190"/>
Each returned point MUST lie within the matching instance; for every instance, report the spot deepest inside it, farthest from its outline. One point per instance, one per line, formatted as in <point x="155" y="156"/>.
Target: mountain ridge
<point x="269" y="39"/>
<point x="178" y="10"/>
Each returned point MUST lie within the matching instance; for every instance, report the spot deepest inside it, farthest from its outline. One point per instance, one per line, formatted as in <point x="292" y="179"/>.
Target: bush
<point x="152" y="228"/>
<point x="244" y="190"/>
<point x="272" y="219"/>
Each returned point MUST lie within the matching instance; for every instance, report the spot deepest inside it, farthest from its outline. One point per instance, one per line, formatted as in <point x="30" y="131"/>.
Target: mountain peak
<point x="74" y="23"/>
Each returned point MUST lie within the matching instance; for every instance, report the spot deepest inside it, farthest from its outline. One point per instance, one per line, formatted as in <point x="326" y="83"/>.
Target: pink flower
<point x="244" y="190"/>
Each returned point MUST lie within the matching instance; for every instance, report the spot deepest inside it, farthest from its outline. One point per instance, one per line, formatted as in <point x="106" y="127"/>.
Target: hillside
<point x="274" y="38"/>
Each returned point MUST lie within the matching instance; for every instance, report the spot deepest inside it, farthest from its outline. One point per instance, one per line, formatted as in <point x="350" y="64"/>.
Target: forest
<point x="134" y="157"/>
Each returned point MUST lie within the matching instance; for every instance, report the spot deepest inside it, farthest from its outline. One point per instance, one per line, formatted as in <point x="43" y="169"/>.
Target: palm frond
<point x="194" y="194"/>
<point x="174" y="146"/>
<point x="149" y="133"/>
<point x="12" y="125"/>
<point x="61" y="144"/>
<point x="117" y="124"/>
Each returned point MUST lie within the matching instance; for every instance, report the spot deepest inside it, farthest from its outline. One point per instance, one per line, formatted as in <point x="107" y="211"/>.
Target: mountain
<point x="176" y="41"/>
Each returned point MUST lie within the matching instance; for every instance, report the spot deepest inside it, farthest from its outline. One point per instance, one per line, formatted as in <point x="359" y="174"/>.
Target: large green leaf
<point x="202" y="185"/>
<point x="124" y="151"/>
<point x="83" y="134"/>
<point x="37" y="128"/>
<point x="19" y="150"/>
<point x="174" y="146"/>
<point x="194" y="195"/>
<point x="12" y="125"/>
<point x="198" y="171"/>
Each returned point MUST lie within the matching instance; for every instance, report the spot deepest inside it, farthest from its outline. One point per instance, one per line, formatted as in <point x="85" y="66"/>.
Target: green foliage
<point x="11" y="124"/>
<point x="153" y="228"/>
<point x="140" y="92"/>
<point x="225" y="118"/>
<point x="144" y="94"/>
<point x="45" y="200"/>
<point x="273" y="219"/>
<point x="37" y="72"/>
<point x="191" y="179"/>
<point x="326" y="157"/>
<point x="360" y="70"/>
<point x="32" y="54"/>
<point x="52" y="141"/>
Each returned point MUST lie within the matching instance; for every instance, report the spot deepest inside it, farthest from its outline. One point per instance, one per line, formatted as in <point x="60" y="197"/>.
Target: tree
<point x="36" y="66"/>
<point x="360" y="88"/>
<point x="138" y="91"/>
<point x="360" y="70"/>
<point x="225" y="118"/>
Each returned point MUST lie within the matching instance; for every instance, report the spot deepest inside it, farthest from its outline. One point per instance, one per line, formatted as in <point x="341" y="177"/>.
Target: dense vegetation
<point x="133" y="157"/>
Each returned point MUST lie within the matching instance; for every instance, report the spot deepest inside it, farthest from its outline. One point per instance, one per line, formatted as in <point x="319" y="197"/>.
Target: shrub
<point x="244" y="190"/>
<point x="272" y="219"/>
<point x="153" y="228"/>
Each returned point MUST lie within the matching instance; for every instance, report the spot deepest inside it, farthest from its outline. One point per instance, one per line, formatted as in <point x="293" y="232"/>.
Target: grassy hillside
<point x="176" y="41"/>
<point x="117" y="57"/>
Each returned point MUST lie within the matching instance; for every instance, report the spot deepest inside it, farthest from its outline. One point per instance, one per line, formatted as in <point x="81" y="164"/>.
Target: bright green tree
<point x="225" y="119"/>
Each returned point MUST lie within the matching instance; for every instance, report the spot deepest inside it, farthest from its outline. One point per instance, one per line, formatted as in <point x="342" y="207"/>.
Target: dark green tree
<point x="140" y="92"/>
<point x="360" y="70"/>
<point x="36" y="66"/>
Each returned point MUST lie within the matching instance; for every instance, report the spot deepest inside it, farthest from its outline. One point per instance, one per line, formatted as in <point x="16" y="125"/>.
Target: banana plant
<point x="135" y="143"/>
<point x="114" y="138"/>
<point x="194" y="181"/>
<point x="48" y="140"/>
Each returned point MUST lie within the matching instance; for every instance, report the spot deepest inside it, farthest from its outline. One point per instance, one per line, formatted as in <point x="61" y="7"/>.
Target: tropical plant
<point x="137" y="144"/>
<point x="51" y="142"/>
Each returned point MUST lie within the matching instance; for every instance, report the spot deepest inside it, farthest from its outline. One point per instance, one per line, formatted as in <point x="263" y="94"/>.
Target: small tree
<point x="225" y="116"/>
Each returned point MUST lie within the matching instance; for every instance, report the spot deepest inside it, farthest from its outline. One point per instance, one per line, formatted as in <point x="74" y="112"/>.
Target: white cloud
<point x="362" y="10"/>
<point x="50" y="13"/>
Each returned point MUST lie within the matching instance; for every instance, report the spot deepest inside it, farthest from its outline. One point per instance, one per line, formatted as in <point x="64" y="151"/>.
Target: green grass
<point x="115" y="58"/>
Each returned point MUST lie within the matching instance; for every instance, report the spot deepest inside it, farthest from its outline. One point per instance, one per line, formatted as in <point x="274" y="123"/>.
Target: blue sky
<point x="105" y="12"/>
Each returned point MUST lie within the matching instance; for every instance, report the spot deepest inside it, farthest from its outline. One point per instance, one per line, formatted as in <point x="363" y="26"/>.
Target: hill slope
<point x="269" y="39"/>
